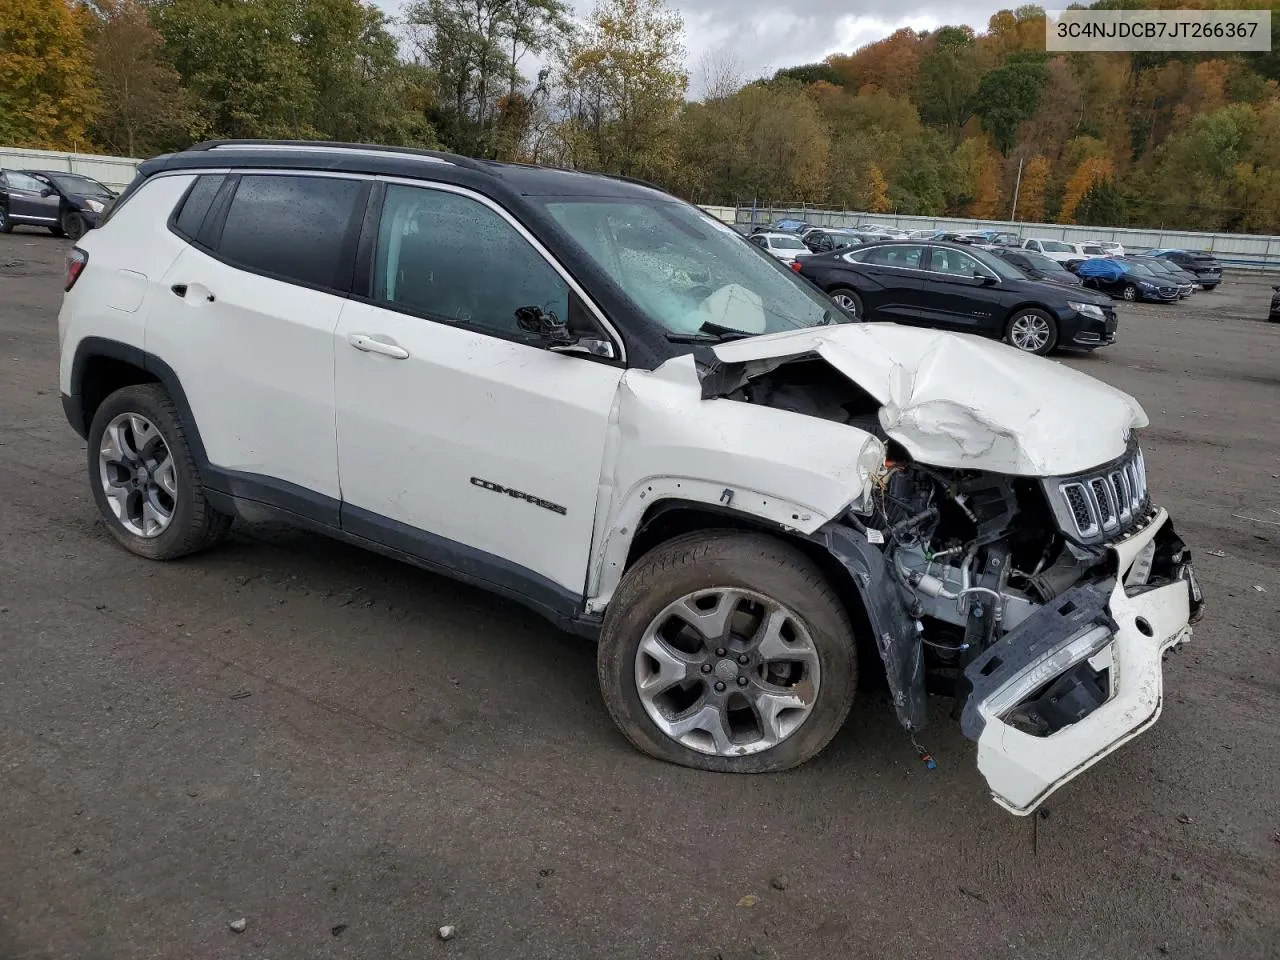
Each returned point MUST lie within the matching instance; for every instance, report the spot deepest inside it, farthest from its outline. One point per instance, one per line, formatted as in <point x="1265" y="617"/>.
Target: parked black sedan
<point x="67" y="204"/>
<point x="1274" y="314"/>
<point x="946" y="285"/>
<point x="1206" y="267"/>
<point x="1186" y="282"/>
<point x="1126" y="278"/>
<point x="1036" y="266"/>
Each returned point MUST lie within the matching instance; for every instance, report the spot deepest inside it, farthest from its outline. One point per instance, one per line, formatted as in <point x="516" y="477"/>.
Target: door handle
<point x="371" y="344"/>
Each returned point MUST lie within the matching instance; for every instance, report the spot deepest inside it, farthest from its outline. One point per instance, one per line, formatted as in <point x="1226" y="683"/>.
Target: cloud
<point x="764" y="35"/>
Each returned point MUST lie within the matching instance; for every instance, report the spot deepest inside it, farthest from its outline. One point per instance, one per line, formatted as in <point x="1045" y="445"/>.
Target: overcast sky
<point x="767" y="34"/>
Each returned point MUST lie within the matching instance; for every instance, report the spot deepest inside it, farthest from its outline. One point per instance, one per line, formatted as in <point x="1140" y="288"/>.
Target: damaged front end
<point x="1039" y="595"/>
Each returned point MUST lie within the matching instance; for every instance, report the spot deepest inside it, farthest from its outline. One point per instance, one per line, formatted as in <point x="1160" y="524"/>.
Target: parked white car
<point x="1060" y="250"/>
<point x="786" y="247"/>
<point x="593" y="399"/>
<point x="1107" y="248"/>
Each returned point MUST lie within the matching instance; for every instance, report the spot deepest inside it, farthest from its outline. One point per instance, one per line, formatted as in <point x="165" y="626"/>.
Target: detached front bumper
<point x="1083" y="675"/>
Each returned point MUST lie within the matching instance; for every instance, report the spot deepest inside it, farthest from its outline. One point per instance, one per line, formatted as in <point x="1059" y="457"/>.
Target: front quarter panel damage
<point x="796" y="473"/>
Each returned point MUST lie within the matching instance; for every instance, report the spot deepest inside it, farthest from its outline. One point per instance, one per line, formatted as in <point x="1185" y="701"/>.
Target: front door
<point x="462" y="439"/>
<point x="960" y="292"/>
<point x="26" y="203"/>
<point x="896" y="270"/>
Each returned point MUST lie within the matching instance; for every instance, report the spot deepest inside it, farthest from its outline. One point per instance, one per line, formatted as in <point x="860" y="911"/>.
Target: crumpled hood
<point x="960" y="401"/>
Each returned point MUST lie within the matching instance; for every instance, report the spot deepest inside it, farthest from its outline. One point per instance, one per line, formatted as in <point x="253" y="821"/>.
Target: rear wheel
<point x="6" y="226"/>
<point x="847" y="299"/>
<point x="1208" y="286"/>
<point x="144" y="479"/>
<point x="1032" y="331"/>
<point x="727" y="652"/>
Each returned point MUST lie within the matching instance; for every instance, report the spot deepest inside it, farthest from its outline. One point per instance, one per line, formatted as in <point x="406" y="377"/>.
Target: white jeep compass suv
<point x="592" y="398"/>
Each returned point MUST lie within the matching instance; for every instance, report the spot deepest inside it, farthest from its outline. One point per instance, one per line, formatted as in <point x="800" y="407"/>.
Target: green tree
<point x="1008" y="97"/>
<point x="948" y="80"/>
<point x="1102" y="206"/>
<point x="810" y="73"/>
<point x="144" y="108"/>
<point x="47" y="93"/>
<point x="623" y="83"/>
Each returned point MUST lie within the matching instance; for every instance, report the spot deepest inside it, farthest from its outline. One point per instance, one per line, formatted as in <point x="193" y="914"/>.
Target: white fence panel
<point x="115" y="172"/>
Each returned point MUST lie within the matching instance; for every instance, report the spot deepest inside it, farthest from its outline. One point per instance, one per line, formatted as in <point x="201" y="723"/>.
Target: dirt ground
<point x="350" y="753"/>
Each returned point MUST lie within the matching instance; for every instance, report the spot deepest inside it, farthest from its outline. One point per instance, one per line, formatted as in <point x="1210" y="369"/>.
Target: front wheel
<point x="1130" y="292"/>
<point x="6" y="225"/>
<point x="727" y="652"/>
<point x="144" y="479"/>
<point x="74" y="225"/>
<point x="848" y="300"/>
<point x="1032" y="331"/>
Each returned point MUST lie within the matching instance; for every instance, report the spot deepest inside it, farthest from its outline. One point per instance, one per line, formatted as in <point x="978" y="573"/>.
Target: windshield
<point x="73" y="183"/>
<point x="1002" y="267"/>
<point x="685" y="269"/>
<point x="1140" y="268"/>
<point x="786" y="243"/>
<point x="1043" y="263"/>
<point x="1056" y="246"/>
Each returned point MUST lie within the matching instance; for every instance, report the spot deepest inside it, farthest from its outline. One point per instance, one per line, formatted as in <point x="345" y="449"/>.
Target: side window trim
<point x="367" y="251"/>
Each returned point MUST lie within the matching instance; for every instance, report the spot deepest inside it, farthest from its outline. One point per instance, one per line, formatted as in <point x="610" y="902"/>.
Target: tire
<point x="1031" y="331"/>
<point x="57" y="231"/>
<point x="192" y="523"/>
<point x="1209" y="287"/>
<point x="74" y="225"/>
<point x="1130" y="292"/>
<point x="6" y="225"/>
<point x="762" y="569"/>
<point x="848" y="299"/>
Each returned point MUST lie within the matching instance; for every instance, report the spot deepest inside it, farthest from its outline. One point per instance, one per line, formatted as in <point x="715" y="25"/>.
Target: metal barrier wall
<point x="115" y="172"/>
<point x="1244" y="251"/>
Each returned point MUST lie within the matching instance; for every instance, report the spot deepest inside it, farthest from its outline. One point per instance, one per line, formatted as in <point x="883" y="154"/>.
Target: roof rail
<point x="432" y="156"/>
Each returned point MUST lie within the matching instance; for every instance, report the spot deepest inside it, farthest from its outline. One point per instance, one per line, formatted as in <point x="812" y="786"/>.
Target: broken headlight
<point x="1041" y="671"/>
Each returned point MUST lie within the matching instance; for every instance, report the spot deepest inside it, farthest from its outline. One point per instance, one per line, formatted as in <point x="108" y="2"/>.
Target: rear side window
<point x="195" y="205"/>
<point x="294" y="228"/>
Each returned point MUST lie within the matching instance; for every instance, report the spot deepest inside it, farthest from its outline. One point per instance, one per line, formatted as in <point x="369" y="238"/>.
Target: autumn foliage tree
<point x="47" y="93"/>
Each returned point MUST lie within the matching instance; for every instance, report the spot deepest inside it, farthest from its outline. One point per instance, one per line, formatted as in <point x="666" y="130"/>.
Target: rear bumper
<point x="1091" y="663"/>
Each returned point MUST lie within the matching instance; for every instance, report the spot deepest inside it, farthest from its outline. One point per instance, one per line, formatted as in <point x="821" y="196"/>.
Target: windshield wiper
<point x="710" y="333"/>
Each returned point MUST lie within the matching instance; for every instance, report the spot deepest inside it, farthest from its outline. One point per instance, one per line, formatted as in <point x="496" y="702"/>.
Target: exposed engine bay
<point x="970" y="556"/>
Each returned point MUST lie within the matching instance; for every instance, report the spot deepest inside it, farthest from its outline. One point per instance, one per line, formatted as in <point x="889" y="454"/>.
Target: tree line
<point x="952" y="122"/>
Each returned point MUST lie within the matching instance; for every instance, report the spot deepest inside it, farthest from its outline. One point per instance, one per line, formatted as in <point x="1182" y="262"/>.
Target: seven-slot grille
<point x="1108" y="501"/>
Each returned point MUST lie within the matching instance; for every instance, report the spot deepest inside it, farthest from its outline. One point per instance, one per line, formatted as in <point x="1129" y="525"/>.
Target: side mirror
<point x="47" y="192"/>
<point x="985" y="278"/>
<point x="555" y="333"/>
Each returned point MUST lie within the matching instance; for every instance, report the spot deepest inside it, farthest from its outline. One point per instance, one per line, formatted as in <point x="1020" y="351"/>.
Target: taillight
<point x="76" y="261"/>
<point x="795" y="265"/>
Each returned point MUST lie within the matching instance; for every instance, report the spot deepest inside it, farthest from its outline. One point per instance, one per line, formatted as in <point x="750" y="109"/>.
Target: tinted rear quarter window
<point x="196" y="205"/>
<point x="292" y="227"/>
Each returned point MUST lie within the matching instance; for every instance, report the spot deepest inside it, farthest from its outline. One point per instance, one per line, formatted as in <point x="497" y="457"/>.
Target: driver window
<point x="20" y="181"/>
<point x="450" y="258"/>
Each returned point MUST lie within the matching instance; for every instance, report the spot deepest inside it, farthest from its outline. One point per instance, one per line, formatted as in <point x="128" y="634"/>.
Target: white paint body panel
<point x="118" y="286"/>
<point x="796" y="471"/>
<point x="256" y="363"/>
<point x="412" y="433"/>
<point x="1022" y="770"/>
<point x="954" y="400"/>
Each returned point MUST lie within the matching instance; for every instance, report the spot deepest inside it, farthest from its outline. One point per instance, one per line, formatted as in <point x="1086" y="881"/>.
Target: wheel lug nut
<point x="719" y="686"/>
<point x="720" y="651"/>
<point x="742" y="681"/>
<point x="706" y="668"/>
<point x="742" y="659"/>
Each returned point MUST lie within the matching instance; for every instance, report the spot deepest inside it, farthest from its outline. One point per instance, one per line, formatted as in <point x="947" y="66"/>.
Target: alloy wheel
<point x="845" y="302"/>
<point x="138" y="475"/>
<point x="1030" y="332"/>
<point x="727" y="671"/>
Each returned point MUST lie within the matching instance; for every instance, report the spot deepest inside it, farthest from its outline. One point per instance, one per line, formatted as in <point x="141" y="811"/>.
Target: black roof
<point x="526" y="180"/>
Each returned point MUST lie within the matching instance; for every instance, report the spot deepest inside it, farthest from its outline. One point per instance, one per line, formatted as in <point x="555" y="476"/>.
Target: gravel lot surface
<point x="349" y="753"/>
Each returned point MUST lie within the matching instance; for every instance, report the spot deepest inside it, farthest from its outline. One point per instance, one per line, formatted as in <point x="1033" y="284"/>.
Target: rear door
<point x="896" y="281"/>
<point x="962" y="293"/>
<point x="250" y="309"/>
